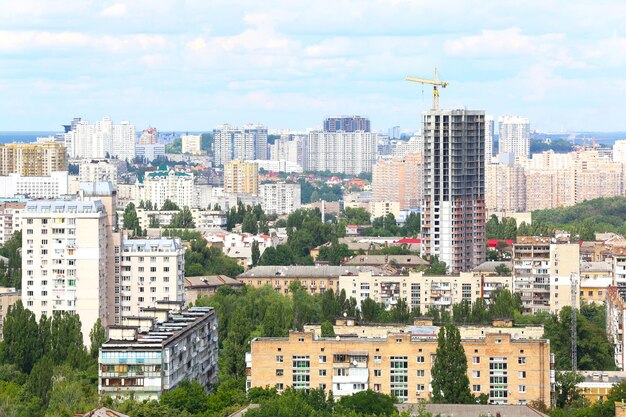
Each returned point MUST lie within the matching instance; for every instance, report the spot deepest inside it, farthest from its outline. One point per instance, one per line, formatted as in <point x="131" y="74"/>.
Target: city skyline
<point x="288" y="65"/>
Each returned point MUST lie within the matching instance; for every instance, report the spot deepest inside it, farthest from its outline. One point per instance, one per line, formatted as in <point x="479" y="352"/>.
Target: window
<point x="279" y="372"/>
<point x="420" y="387"/>
<point x="521" y="360"/>
<point x="279" y="359"/>
<point x="378" y="372"/>
<point x="378" y="359"/>
<point x="322" y="372"/>
<point x="522" y="388"/>
<point x="376" y="387"/>
<point x="420" y="359"/>
<point x="476" y="388"/>
<point x="280" y="386"/>
<point x="420" y="372"/>
<point x="322" y="386"/>
<point x="475" y="359"/>
<point x="322" y="358"/>
<point x="522" y="374"/>
<point x="475" y="374"/>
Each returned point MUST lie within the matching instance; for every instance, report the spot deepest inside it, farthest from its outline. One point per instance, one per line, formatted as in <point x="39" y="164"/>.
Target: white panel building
<point x="342" y="152"/>
<point x="514" y="136"/>
<point x="52" y="186"/>
<point x="280" y="198"/>
<point x="86" y="140"/>
<point x="171" y="185"/>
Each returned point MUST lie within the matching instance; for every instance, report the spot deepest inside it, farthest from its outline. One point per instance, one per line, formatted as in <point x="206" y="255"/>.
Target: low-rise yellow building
<point x="597" y="384"/>
<point x="509" y="370"/>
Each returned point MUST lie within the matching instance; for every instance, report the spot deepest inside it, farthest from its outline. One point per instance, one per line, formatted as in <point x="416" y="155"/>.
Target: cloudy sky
<point x="192" y="64"/>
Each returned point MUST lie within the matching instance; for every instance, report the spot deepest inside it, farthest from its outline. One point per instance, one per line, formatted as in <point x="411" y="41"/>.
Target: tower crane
<point x="435" y="83"/>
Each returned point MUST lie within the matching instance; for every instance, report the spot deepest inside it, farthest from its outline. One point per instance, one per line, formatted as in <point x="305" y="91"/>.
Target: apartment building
<point x="147" y="271"/>
<point x="616" y="323"/>
<point x="241" y="177"/>
<point x="191" y="144"/>
<point x="100" y="140"/>
<point x="64" y="260"/>
<point x="246" y="143"/>
<point x="48" y="187"/>
<point x="453" y="207"/>
<point x="97" y="170"/>
<point x="10" y="219"/>
<point x="8" y="297"/>
<point x="316" y="279"/>
<point x="421" y="291"/>
<point x="206" y="286"/>
<point x="509" y="370"/>
<point x="595" y="280"/>
<point x="504" y="185"/>
<point x="32" y="159"/>
<point x="176" y="186"/>
<point x="342" y="152"/>
<point x="489" y="129"/>
<point x="514" y="136"/>
<point x="399" y="180"/>
<point x="347" y="124"/>
<point x="280" y="198"/>
<point x="154" y="352"/>
<point x="203" y="219"/>
<point x="543" y="273"/>
<point x="289" y="148"/>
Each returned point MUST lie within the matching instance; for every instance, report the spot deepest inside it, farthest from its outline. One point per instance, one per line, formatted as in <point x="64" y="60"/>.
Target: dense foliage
<point x="449" y="373"/>
<point x="252" y="219"/>
<point x="11" y="271"/>
<point x="203" y="260"/>
<point x="311" y="192"/>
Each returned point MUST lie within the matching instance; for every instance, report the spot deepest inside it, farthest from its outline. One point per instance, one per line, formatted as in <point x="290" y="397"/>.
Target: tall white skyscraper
<point x="246" y="144"/>
<point x="514" y="136"/>
<point x="344" y="152"/>
<point x="453" y="206"/>
<point x="489" y="126"/>
<point x="86" y="140"/>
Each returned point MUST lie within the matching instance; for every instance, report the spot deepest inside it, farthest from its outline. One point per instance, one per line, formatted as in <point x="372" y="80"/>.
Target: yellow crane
<point x="435" y="83"/>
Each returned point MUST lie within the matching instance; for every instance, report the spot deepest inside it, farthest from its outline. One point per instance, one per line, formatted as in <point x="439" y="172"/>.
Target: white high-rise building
<point x="247" y="143"/>
<point x="64" y="260"/>
<point x="489" y="127"/>
<point x="87" y="140"/>
<point x="175" y="186"/>
<point x="514" y="136"/>
<point x="280" y="198"/>
<point x="342" y="152"/>
<point x="51" y="186"/>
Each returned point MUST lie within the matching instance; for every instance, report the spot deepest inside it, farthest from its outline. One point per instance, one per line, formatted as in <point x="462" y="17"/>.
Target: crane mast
<point x="434" y="82"/>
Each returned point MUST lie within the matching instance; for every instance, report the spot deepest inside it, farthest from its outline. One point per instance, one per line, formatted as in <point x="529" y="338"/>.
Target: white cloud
<point x="115" y="10"/>
<point x="501" y="43"/>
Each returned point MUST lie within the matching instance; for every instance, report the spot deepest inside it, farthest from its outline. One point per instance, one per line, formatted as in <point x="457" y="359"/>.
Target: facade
<point x="289" y="148"/>
<point x="149" y="136"/>
<point x="422" y="292"/>
<point x="97" y="170"/>
<point x="509" y="370"/>
<point x="241" y="177"/>
<point x="10" y="219"/>
<point x="316" y="279"/>
<point x="616" y="323"/>
<point x="196" y="287"/>
<point x="280" y="165"/>
<point x="48" y="187"/>
<point x="514" y="136"/>
<point x="453" y="206"/>
<point x="347" y="124"/>
<point x="150" y="152"/>
<point x="595" y="280"/>
<point x="32" y="159"/>
<point x="399" y="180"/>
<point x="597" y="384"/>
<point x="64" y="260"/>
<point x="8" y="297"/>
<point x="153" y="353"/>
<point x="280" y="198"/>
<point x="100" y="140"/>
<point x="148" y="270"/>
<point x="489" y="129"/>
<point x="342" y="152"/>
<point x="175" y="186"/>
<point x="246" y="143"/>
<point x="191" y="144"/>
<point x="504" y="187"/>
<point x="543" y="273"/>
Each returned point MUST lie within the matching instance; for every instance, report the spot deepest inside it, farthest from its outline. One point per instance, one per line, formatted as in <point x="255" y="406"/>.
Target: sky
<point x="194" y="64"/>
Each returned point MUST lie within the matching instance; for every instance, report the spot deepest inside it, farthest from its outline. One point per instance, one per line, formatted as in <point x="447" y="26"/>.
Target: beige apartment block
<point x="147" y="270"/>
<point x="595" y="280"/>
<point x="504" y="185"/>
<point x="8" y="297"/>
<point x="191" y="144"/>
<point x="543" y="272"/>
<point x="508" y="370"/>
<point x="10" y="219"/>
<point x="241" y="177"/>
<point x="32" y="159"/>
<point x="383" y="208"/>
<point x="399" y="180"/>
<point x="64" y="260"/>
<point x="422" y="291"/>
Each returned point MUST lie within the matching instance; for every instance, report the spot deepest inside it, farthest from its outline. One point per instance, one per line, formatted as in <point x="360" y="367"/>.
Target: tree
<point x="187" y="396"/>
<point x="335" y="253"/>
<point x="367" y="403"/>
<point x="503" y="271"/>
<point x="504" y="304"/>
<point x="256" y="253"/>
<point x="566" y="389"/>
<point x="249" y="224"/>
<point x="400" y="312"/>
<point x="97" y="337"/>
<point x="131" y="221"/>
<point x="356" y="215"/>
<point x="436" y="267"/>
<point x="370" y="310"/>
<point x="169" y="205"/>
<point x="449" y="373"/>
<point x="20" y="331"/>
<point x="327" y="329"/>
<point x="39" y="381"/>
<point x="183" y="219"/>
